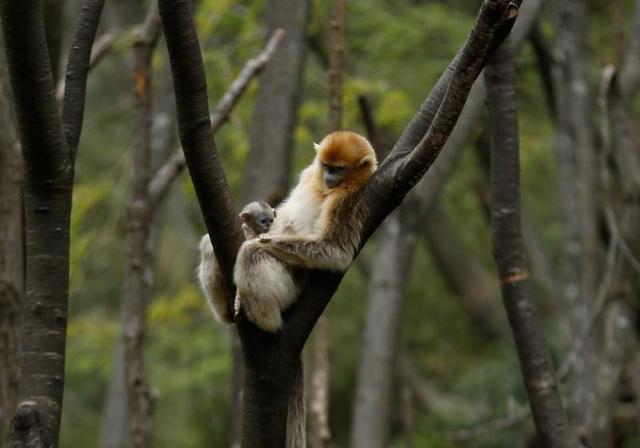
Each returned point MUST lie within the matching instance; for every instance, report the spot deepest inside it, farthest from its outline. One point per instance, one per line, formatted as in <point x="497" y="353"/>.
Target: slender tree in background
<point x="148" y="192"/>
<point x="137" y="283"/>
<point x="49" y="146"/>
<point x="581" y="248"/>
<point x="11" y="254"/>
<point x="270" y="358"/>
<point x="320" y="374"/>
<point x="535" y="360"/>
<point x="383" y="322"/>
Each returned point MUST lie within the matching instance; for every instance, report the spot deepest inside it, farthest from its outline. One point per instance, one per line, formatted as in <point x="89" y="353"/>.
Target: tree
<point x="270" y="359"/>
<point x="535" y="360"/>
<point x="49" y="145"/>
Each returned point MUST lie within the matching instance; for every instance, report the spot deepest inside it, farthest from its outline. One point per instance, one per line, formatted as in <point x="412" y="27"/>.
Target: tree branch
<point x="165" y="176"/>
<point x="102" y="46"/>
<point x="77" y="71"/>
<point x="535" y="361"/>
<point x="196" y="135"/>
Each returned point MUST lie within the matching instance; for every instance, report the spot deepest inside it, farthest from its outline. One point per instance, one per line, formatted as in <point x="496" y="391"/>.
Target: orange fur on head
<point x="350" y="150"/>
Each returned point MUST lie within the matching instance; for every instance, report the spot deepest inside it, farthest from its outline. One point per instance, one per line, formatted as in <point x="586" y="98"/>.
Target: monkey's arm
<point x="309" y="252"/>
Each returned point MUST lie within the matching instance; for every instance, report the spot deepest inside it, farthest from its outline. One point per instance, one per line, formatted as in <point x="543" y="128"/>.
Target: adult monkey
<point x="269" y="358"/>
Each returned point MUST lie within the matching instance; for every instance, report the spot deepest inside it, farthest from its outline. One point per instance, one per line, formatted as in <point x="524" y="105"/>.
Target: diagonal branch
<point x="406" y="164"/>
<point x="77" y="71"/>
<point x="102" y="46"/>
<point x="196" y="134"/>
<point x="165" y="176"/>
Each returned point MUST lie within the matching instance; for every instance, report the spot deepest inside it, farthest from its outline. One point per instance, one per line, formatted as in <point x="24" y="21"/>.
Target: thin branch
<point x="102" y="47"/>
<point x="77" y="71"/>
<point x="535" y="361"/>
<point x="165" y="176"/>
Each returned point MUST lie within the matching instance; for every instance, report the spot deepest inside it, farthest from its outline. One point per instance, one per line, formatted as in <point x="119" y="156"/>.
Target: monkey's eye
<point x="265" y="222"/>
<point x="334" y="169"/>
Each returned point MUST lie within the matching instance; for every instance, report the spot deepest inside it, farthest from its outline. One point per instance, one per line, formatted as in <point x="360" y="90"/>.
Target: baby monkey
<point x="256" y="218"/>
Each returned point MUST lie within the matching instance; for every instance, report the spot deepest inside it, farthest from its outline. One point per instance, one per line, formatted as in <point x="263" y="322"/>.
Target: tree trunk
<point x="139" y="218"/>
<point x="535" y="360"/>
<point x="375" y="386"/>
<point x="276" y="111"/>
<point x="48" y="158"/>
<point x="11" y="255"/>
<point x="580" y="249"/>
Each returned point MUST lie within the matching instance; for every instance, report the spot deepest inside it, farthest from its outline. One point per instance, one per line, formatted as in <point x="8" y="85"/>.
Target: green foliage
<point x="395" y="52"/>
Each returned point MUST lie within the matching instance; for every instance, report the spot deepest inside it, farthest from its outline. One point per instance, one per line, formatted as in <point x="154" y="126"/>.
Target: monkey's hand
<point x="308" y="252"/>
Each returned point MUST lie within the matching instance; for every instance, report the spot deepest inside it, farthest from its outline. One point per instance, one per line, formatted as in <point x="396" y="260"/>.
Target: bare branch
<point x="77" y="71"/>
<point x="102" y="47"/>
<point x="196" y="134"/>
<point x="171" y="169"/>
<point x="535" y="361"/>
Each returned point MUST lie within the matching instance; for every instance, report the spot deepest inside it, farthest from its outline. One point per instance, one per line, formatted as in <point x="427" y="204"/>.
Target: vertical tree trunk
<point x="48" y="158"/>
<point x="11" y="255"/>
<point x="139" y="218"/>
<point x="537" y="368"/>
<point x="276" y="111"/>
<point x="320" y="375"/>
<point x="385" y="307"/>
<point x="577" y="177"/>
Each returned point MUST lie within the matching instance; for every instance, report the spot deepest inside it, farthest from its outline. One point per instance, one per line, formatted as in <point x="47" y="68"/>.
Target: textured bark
<point x="385" y="305"/>
<point x="271" y="358"/>
<point x="48" y="178"/>
<point x="11" y="254"/>
<point x="139" y="218"/>
<point x="580" y="248"/>
<point x="535" y="361"/>
<point x="277" y="101"/>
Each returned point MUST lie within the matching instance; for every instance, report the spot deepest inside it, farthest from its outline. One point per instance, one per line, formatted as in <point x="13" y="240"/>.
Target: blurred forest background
<point x="457" y="370"/>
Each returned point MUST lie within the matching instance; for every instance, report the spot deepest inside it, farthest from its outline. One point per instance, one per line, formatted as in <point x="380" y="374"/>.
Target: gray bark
<point x="277" y="102"/>
<point x="11" y="255"/>
<point x="580" y="249"/>
<point x="385" y="305"/>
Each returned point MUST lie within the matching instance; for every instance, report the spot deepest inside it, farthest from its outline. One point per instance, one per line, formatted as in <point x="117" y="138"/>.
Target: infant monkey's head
<point x="257" y="218"/>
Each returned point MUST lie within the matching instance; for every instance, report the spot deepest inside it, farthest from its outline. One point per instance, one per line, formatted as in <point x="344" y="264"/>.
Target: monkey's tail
<point x="297" y="415"/>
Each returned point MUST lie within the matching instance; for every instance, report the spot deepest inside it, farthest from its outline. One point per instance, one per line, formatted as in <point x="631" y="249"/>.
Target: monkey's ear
<point x="366" y="160"/>
<point x="246" y="217"/>
<point x="316" y="146"/>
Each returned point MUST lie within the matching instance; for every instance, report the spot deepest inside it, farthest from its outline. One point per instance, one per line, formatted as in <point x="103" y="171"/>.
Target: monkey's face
<point x="333" y="175"/>
<point x="258" y="220"/>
